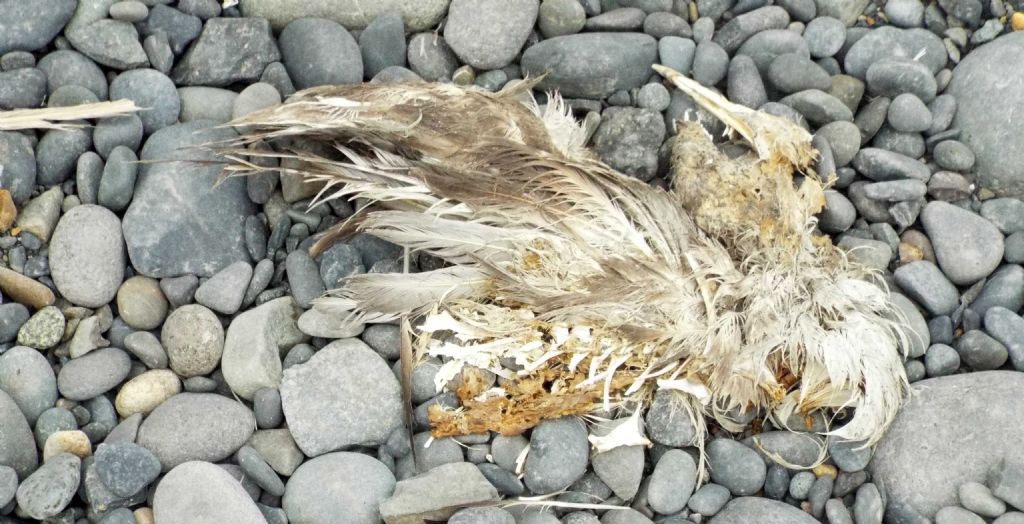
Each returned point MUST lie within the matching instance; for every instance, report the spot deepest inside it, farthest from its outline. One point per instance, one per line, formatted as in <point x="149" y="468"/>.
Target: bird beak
<point x="729" y="113"/>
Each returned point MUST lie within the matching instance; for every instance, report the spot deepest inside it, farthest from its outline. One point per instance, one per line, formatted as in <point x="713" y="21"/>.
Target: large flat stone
<point x="953" y="430"/>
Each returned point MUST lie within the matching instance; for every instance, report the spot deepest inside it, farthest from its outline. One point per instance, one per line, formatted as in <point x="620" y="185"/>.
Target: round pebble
<point x="143" y="393"/>
<point x="87" y="255"/>
<point x="907" y="113"/>
<point x="672" y="481"/>
<point x="48" y="490"/>
<point x="42" y="330"/>
<point x="559" y="453"/>
<point x="141" y="303"/>
<point x="93" y="374"/>
<point x="735" y="466"/>
<point x="193" y="338"/>
<point x="825" y="36"/>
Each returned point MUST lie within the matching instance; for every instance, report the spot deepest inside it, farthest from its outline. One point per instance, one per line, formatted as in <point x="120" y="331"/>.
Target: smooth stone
<point x="967" y="246"/>
<point x="744" y="85"/>
<point x="918" y="332"/>
<point x="49" y="489"/>
<point x="907" y="113"/>
<point x="1005" y="288"/>
<point x="620" y="468"/>
<point x="71" y="95"/>
<point x="151" y="89"/>
<point x="792" y="72"/>
<point x="320" y="52"/>
<point x="735" y="466"/>
<point x="926" y="284"/>
<point x="158" y="50"/>
<point x="896" y="190"/>
<point x="871" y="253"/>
<point x="202" y="492"/>
<point x="118" y="180"/>
<point x="710" y="64"/>
<point x="825" y="36"/>
<point x="129" y="11"/>
<point x="739" y="510"/>
<point x="957" y="515"/>
<point x="818" y="107"/>
<point x="418" y="15"/>
<point x="953" y="155"/>
<point x="260" y="95"/>
<point x="892" y="77"/>
<point x="22" y="89"/>
<point x="844" y="139"/>
<point x="211" y="104"/>
<point x="483" y="515"/>
<point x="147" y="348"/>
<point x="891" y="42"/>
<point x="336" y="487"/>
<point x="1008" y="328"/>
<point x="981" y="77"/>
<point x="144" y="392"/>
<point x="141" y="303"/>
<point x="801" y="449"/>
<point x="19" y="173"/>
<point x="28" y="27"/>
<point x="277" y="447"/>
<point x="193" y="338"/>
<point x="437" y="494"/>
<point x="27" y="377"/>
<point x="266" y="405"/>
<point x="254" y="343"/>
<point x="429" y="57"/>
<point x="178" y="222"/>
<point x="677" y="53"/>
<point x="967" y="450"/>
<point x="259" y="471"/>
<point x="9" y="485"/>
<point x="839" y="213"/>
<point x="345" y="395"/>
<point x="17" y="445"/>
<point x="223" y="291"/>
<point x="91" y="375"/>
<point x="317" y="323"/>
<point x="976" y="497"/>
<point x="592" y="65"/>
<point x="487" y="34"/>
<point x="126" y="468"/>
<point x="304" y="278"/>
<point x="980" y="351"/>
<point x="228" y="50"/>
<point x="559" y="452"/>
<point x="382" y="43"/>
<point x="196" y="426"/>
<point x="40" y="215"/>
<point x="672" y="482"/>
<point x="70" y="68"/>
<point x="667" y="421"/>
<point x="12" y="316"/>
<point x="881" y="165"/>
<point x="709" y="499"/>
<point x="735" y="32"/>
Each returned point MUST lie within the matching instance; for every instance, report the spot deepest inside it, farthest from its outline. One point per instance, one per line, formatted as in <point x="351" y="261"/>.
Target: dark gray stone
<point x="560" y="18"/>
<point x="487" y="34"/>
<point x="739" y="29"/>
<point x="113" y="43"/>
<point x="430" y="58"/>
<point x="980" y="351"/>
<point x="178" y="222"/>
<point x="118" y="182"/>
<point x="179" y="28"/>
<point x="382" y="43"/>
<point x="49" y="489"/>
<point x="150" y="89"/>
<point x="304" y="278"/>
<point x="818" y="107"/>
<point x="158" y="50"/>
<point x="559" y="452"/>
<point x="29" y="26"/>
<point x="907" y="113"/>
<point x="672" y="481"/>
<point x="27" y="377"/>
<point x="825" y="36"/>
<point x="110" y="133"/>
<point x="894" y="76"/>
<point x="967" y="246"/>
<point x="229" y="50"/>
<point x="792" y="72"/>
<point x="662" y="24"/>
<point x="621" y="19"/>
<point x="628" y="140"/>
<point x="12" y="316"/>
<point x="19" y="173"/>
<point x="890" y="42"/>
<point x="941" y="360"/>
<point x="744" y="85"/>
<point x="676" y="53"/>
<point x="592" y="65"/>
<point x="126" y="468"/>
<point x="953" y="155"/>
<point x="765" y="46"/>
<point x="66" y="67"/>
<point x="925" y="283"/>
<point x="224" y="290"/>
<point x="710" y="64"/>
<point x="881" y="165"/>
<point x="57" y="153"/>
<point x="736" y="466"/>
<point x="320" y="52"/>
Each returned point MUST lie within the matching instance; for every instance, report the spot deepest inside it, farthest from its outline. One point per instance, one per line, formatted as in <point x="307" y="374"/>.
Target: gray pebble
<point x="677" y="53"/>
<point x="12" y="316"/>
<point x="980" y="351"/>
<point x="672" y="482"/>
<point x="710" y="64"/>
<point x="881" y="165"/>
<point x="118" y="181"/>
<point x="506" y="482"/>
<point x="968" y="247"/>
<point x="266" y="405"/>
<point x="304" y="278"/>
<point x="941" y="360"/>
<point x="892" y="77"/>
<point x="839" y="213"/>
<point x="248" y="41"/>
<point x="667" y="421"/>
<point x="744" y="85"/>
<point x="776" y="484"/>
<point x="653" y="96"/>
<point x="151" y="89"/>
<point x="792" y="72"/>
<point x="849" y="456"/>
<point x="819" y="494"/>
<point x="126" y="468"/>
<point x="259" y="471"/>
<point x="800" y="485"/>
<point x="943" y="109"/>
<point x="896" y="190"/>
<point x="485" y="515"/>
<point x="223" y="292"/>
<point x="736" y="467"/>
<point x="818" y="107"/>
<point x="735" y="32"/>
<point x="109" y="133"/>
<point x="617" y="20"/>
<point x="926" y="284"/>
<point x="957" y="515"/>
<point x="907" y="144"/>
<point x="431" y="58"/>
<point x="382" y="43"/>
<point x="129" y="11"/>
<point x="43" y="329"/>
<point x="158" y="51"/>
<point x="868" y="507"/>
<point x="836" y="512"/>
<point x="905" y="13"/>
<point x="978" y="498"/>
<point x="709" y="499"/>
<point x="825" y="36"/>
<point x="907" y="113"/>
<point x="48" y="490"/>
<point x="559" y="452"/>
<point x="662" y="24"/>
<point x="953" y="155"/>
<point x="179" y="290"/>
<point x="93" y="374"/>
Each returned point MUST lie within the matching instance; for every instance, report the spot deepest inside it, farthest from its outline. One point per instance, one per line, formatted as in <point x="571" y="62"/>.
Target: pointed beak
<point x="729" y="113"/>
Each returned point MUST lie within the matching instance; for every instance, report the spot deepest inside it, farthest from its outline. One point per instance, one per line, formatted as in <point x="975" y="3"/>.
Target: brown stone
<point x="8" y="211"/>
<point x="24" y="289"/>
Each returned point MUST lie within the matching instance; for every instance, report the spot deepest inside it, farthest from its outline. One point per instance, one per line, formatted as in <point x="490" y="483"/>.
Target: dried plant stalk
<point x="63" y="117"/>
